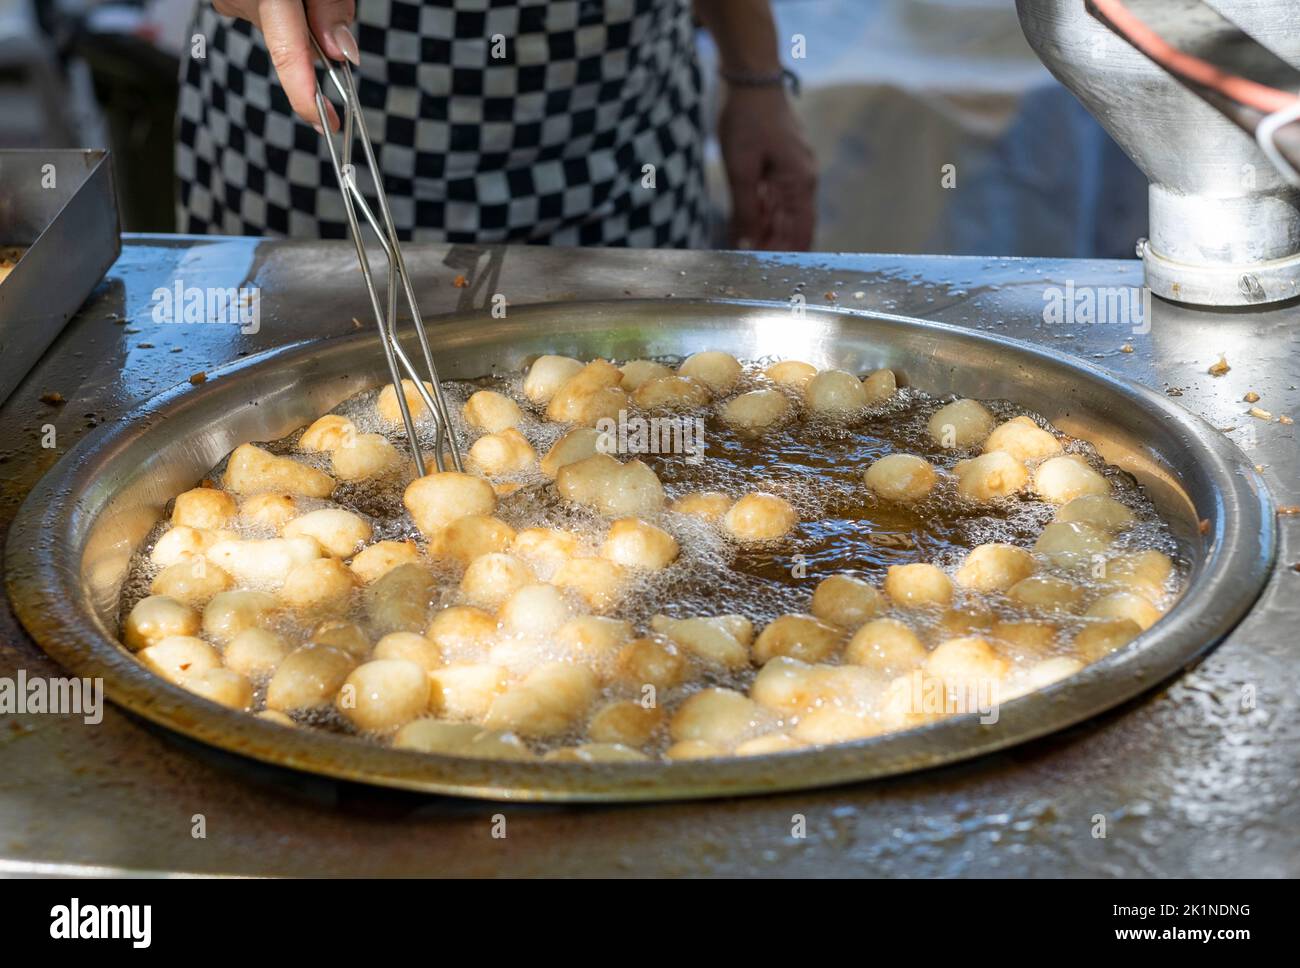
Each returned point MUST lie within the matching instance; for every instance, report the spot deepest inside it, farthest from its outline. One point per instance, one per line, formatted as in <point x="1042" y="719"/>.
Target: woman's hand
<point x="284" y="24"/>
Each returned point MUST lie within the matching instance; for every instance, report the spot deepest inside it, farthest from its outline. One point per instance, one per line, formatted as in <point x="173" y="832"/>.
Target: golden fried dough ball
<point x="917" y="585"/>
<point x="880" y="386"/>
<point x="718" y="371"/>
<point x="1144" y="572"/>
<point x="266" y="561"/>
<point x="990" y="477"/>
<point x="472" y="537"/>
<point x="760" y="517"/>
<point x="1071" y="545"/>
<point x="322" y="586"/>
<point x="256" y="652"/>
<point x="182" y="542"/>
<point x="694" y="749"/>
<point x="547" y="375"/>
<point x="1027" y="637"/>
<point x="546" y="544"/>
<point x="330" y="432"/>
<point x="461" y="632"/>
<point x="791" y="373"/>
<point x="709" y="505"/>
<point x="343" y="635"/>
<point x="610" y="488"/>
<point x="598" y="581"/>
<point x="887" y="646"/>
<point x="193" y="581"/>
<point x="229" y="613"/>
<point x="368" y="455"/>
<point x="901" y="477"/>
<point x="835" y="392"/>
<point x="1101" y="637"/>
<point x="832" y="724"/>
<point x="671" y="393"/>
<point x="383" y="694"/>
<point x="721" y="717"/>
<point x="1098" y="510"/>
<point x="492" y="578"/>
<point x="460" y="739"/>
<point x="507" y="452"/>
<point x="638" y="372"/>
<point x="546" y="702"/>
<point x="375" y="561"/>
<point x="180" y="657"/>
<point x="222" y="686"/>
<point x="965" y="662"/>
<point x="399" y="601"/>
<point x="625" y="722"/>
<point x="1046" y="593"/>
<point x="961" y="424"/>
<point x="994" y="567"/>
<point x="573" y="401"/>
<point x="592" y="640"/>
<point x="409" y="647"/>
<point x="722" y="640"/>
<point x="578" y="444"/>
<point x="1022" y="439"/>
<point x="846" y="601"/>
<point x="391" y="412"/>
<point x="467" y="690"/>
<point x="204" y="508"/>
<point x="802" y="637"/>
<point x="436" y="500"/>
<point x="252" y="470"/>
<point x="157" y="617"/>
<point x="1060" y="480"/>
<point x="651" y="661"/>
<point x="756" y="410"/>
<point x="339" y="532"/>
<point x="269" y="510"/>
<point x="766" y="745"/>
<point x="534" y="611"/>
<point x="492" y="412"/>
<point x="635" y="544"/>
<point x="309" y="677"/>
<point x="1129" y="605"/>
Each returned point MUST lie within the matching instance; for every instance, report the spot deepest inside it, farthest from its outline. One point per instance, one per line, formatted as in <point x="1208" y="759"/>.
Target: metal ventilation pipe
<point x="1225" y="224"/>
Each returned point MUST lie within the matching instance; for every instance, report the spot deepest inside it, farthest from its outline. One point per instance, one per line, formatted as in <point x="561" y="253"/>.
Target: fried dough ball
<point x="182" y="542"/>
<point x="721" y="717"/>
<point x="547" y="544"/>
<point x="399" y="600"/>
<point x="965" y="662"/>
<point x="887" y="646"/>
<point x="598" y="581"/>
<point x="222" y="686"/>
<point x="578" y="444"/>
<point x="709" y="505"/>
<point x="651" y="661"/>
<point x="596" y="753"/>
<point x="436" y="500"/>
<point x="343" y="635"/>
<point x="722" y="640"/>
<point x="835" y="392"/>
<point x="309" y="677"/>
<point x="766" y="745"/>
<point x="1060" y="480"/>
<point x="625" y="722"/>
<point x="990" y="476"/>
<point x="917" y="585"/>
<point x="256" y="652"/>
<point x="592" y="639"/>
<point x="193" y="581"/>
<point x="339" y="532"/>
<point x="389" y="409"/>
<point x="965" y="621"/>
<point x="492" y="578"/>
<point x="323" y="586"/>
<point x="179" y="657"/>
<point x="277" y="717"/>
<point x="1022" y="439"/>
<point x="639" y="372"/>
<point x="718" y="371"/>
<point x="507" y="452"/>
<point x="1118" y="605"/>
<point x="329" y="432"/>
<point x="802" y="637"/>
<point x="229" y="613"/>
<point x="535" y="610"/>
<point x="461" y="632"/>
<point x="671" y="393"/>
<point x="252" y="470"/>
<point x="467" y="690"/>
<point x="880" y="386"/>
<point x="1046" y="593"/>
<point x="460" y="739"/>
<point x="1100" y="638"/>
<point x="994" y="567"/>
<point x="1029" y="637"/>
<point x="409" y="647"/>
<point x="492" y="412"/>
<point x="204" y="508"/>
<point x="961" y="424"/>
<point x="694" y="749"/>
<point x="791" y="373"/>
<point x="1144" y="572"/>
<point x="546" y="702"/>
<point x="760" y="517"/>
<point x="846" y="601"/>
<point x="269" y="510"/>
<point x="266" y="561"/>
<point x="788" y="686"/>
<point x="375" y="561"/>
<point x="831" y="724"/>
<point x="547" y="375"/>
<point x="573" y="401"/>
<point x="756" y="410"/>
<point x="901" y="477"/>
<point x="383" y="694"/>
<point x="610" y="488"/>
<point x="1042" y="674"/>
<point x="1098" y="510"/>
<point x="472" y="537"/>
<point x="636" y="544"/>
<point x="369" y="455"/>
<point x="1071" y="545"/>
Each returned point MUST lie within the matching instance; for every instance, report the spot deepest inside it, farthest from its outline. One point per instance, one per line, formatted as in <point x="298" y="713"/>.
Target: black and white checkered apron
<point x="549" y="143"/>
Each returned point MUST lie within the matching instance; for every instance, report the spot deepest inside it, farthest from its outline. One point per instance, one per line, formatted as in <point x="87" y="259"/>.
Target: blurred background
<point x="893" y="91"/>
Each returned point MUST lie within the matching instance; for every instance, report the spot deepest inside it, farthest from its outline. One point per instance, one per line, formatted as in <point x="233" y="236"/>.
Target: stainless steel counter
<point x="1199" y="779"/>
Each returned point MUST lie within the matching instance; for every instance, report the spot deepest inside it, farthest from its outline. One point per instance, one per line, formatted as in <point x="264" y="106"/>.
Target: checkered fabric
<point x="493" y="121"/>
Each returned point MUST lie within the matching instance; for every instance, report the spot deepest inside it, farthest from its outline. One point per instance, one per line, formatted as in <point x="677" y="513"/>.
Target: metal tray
<point x="60" y="205"/>
<point x="72" y="540"/>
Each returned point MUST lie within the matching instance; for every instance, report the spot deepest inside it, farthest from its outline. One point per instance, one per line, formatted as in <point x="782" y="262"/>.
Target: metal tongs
<point x="340" y="76"/>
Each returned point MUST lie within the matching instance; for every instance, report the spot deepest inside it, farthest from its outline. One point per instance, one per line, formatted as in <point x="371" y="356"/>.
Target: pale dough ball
<point x="599" y="582"/>
<point x="546" y="544"/>
<point x="756" y="410"/>
<point x="625" y="722"/>
<point x="436" y="500"/>
<point x="409" y="647"/>
<point x="880" y="386"/>
<point x="399" y="601"/>
<point x="507" y="452"/>
<point x="492" y="578"/>
<point x="790" y="687"/>
<point x="1046" y="593"/>
<point x="694" y="749"/>
<point x="709" y="505"/>
<point x="1022" y="439"/>
<point x="460" y="739"/>
<point x="835" y="392"/>
<point x="546" y="702"/>
<point x="636" y="544"/>
<point x="802" y="637"/>
<point x="309" y="677"/>
<point x="846" y="601"/>
<point x="157" y="617"/>
<point x="831" y="724"/>
<point x="193" y="581"/>
<point x="183" y="542"/>
<point x="277" y="717"/>
<point x="472" y="537"/>
<point x="721" y="717"/>
<point x="909" y="702"/>
<point x="994" y="567"/>
<point x="573" y="401"/>
<point x="592" y="640"/>
<point x="266" y="561"/>
<point x="269" y="510"/>
<point x="977" y="619"/>
<point x="1027" y="637"/>
<point x="375" y="561"/>
<point x="791" y="373"/>
<point x="961" y="424"/>
<point x="467" y="690"/>
<point x="1071" y="545"/>
<point x="1145" y="573"/>
<point x="1062" y="479"/>
<point x="990" y="477"/>
<point x="492" y="412"/>
<point x="329" y="432"/>
<point x="610" y="488"/>
<point x="223" y="687"/>
<point x="533" y="611"/>
<point x="917" y="585"/>
<point x="389" y="409"/>
<point x="1100" y="638"/>
<point x="887" y="646"/>
<point x="671" y="393"/>
<point x="180" y="657"/>
<point x="578" y="444"/>
<point x="343" y="635"/>
<point x="760" y="517"/>
<point x="338" y="531"/>
<point x="722" y="640"/>
<point x="1098" y="510"/>
<point x="595" y="753"/>
<point x="256" y="652"/>
<point x="204" y="508"/>
<point x="1042" y="674"/>
<point x="718" y="371"/>
<point x="766" y="745"/>
<point x="368" y="455"/>
<point x="651" y="661"/>
<point x="639" y="372"/>
<point x="252" y="470"/>
<point x="901" y="477"/>
<point x="229" y="613"/>
<point x="967" y="662"/>
<point x="461" y="632"/>
<point x="547" y="375"/>
<point x="1127" y="605"/>
<point x="381" y="695"/>
<point x="323" y="586"/>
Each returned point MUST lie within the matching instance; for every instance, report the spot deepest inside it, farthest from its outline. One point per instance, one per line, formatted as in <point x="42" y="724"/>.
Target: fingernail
<point x="319" y="130"/>
<point x="347" y="43"/>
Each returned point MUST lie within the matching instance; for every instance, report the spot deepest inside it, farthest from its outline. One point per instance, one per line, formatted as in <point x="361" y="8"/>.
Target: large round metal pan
<point x="71" y="543"/>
